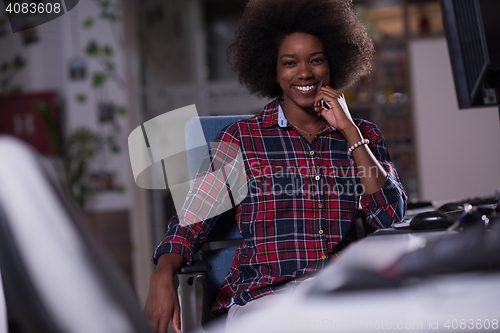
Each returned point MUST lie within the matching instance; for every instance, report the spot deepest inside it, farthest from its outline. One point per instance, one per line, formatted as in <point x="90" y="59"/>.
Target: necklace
<point x="310" y="134"/>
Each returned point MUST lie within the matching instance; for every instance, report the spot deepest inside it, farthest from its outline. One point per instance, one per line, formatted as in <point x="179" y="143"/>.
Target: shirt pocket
<point x="346" y="185"/>
<point x="273" y="181"/>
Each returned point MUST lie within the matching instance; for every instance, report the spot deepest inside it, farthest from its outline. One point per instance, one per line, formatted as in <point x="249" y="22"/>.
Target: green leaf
<point x="110" y="66"/>
<point x="113" y="147"/>
<point x="81" y="98"/>
<point x="49" y="123"/>
<point x="88" y="22"/>
<point x="107" y="50"/>
<point x="18" y="63"/>
<point x="15" y="90"/>
<point x="110" y="140"/>
<point x="4" y="67"/>
<point x="105" y="4"/>
<point x="92" y="49"/>
<point x="99" y="79"/>
<point x="42" y="106"/>
<point x="121" y="111"/>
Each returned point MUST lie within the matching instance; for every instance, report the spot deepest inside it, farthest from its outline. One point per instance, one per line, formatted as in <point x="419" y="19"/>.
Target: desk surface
<point x="378" y="251"/>
<point x="439" y="303"/>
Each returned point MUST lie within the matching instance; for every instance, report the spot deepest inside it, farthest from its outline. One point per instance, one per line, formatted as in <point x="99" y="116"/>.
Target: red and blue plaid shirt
<point x="298" y="208"/>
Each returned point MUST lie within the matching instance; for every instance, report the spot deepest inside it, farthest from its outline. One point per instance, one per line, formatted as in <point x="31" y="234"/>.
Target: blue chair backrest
<point x="211" y="128"/>
<point x="225" y="229"/>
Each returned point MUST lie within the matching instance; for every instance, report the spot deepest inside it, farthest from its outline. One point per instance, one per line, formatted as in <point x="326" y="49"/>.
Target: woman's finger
<point x="176" y="320"/>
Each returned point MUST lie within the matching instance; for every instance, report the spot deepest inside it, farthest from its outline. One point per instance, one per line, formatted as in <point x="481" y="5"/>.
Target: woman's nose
<point x="304" y="71"/>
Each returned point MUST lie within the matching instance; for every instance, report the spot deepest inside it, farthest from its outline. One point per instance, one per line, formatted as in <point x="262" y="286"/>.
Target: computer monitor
<point x="472" y="29"/>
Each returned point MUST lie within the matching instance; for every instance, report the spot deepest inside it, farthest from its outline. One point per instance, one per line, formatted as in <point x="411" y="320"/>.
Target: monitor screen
<point x="472" y="28"/>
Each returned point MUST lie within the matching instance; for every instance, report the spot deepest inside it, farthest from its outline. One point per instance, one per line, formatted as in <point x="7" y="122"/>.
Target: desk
<point x="438" y="304"/>
<point x="377" y="251"/>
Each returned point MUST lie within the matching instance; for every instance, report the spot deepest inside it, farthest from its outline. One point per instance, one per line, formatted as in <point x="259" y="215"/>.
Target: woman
<point x="307" y="163"/>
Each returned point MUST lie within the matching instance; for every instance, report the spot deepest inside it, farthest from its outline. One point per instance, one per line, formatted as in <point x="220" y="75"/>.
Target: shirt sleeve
<point x="388" y="205"/>
<point x="215" y="189"/>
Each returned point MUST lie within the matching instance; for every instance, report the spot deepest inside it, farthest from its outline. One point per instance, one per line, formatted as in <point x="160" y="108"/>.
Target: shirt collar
<point x="270" y="113"/>
<point x="273" y="115"/>
<point x="282" y="121"/>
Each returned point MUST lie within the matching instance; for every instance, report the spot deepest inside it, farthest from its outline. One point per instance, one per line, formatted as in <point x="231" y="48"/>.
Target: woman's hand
<point x="162" y="304"/>
<point x="338" y="116"/>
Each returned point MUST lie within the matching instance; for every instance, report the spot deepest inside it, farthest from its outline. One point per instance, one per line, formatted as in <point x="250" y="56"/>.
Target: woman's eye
<point x="317" y="60"/>
<point x="288" y="63"/>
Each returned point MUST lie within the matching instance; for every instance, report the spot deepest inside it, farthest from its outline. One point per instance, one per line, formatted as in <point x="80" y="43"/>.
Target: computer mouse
<point x="431" y="220"/>
<point x="451" y="207"/>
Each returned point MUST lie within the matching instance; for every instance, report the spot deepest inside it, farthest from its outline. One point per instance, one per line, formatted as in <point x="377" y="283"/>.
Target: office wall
<point x="458" y="151"/>
<point x="47" y="69"/>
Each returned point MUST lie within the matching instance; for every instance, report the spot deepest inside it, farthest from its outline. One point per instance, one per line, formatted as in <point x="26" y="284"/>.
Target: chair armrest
<point x="188" y="274"/>
<point x="197" y="266"/>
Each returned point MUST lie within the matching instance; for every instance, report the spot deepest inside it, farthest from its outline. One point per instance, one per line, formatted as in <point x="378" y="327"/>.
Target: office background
<point x="108" y="66"/>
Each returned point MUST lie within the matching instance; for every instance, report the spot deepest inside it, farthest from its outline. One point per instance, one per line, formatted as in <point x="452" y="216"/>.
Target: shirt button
<point x="320" y="206"/>
<point x="323" y="257"/>
<point x="321" y="231"/>
<point x="317" y="177"/>
<point x="311" y="152"/>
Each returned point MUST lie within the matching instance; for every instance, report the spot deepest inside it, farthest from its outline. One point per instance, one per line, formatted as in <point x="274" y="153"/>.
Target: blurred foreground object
<point x="55" y="276"/>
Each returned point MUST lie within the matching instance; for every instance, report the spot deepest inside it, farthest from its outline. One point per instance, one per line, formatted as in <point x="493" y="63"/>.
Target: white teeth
<point x="304" y="88"/>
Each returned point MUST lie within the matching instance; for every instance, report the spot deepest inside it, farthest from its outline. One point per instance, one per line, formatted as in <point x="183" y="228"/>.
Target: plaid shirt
<point x="298" y="208"/>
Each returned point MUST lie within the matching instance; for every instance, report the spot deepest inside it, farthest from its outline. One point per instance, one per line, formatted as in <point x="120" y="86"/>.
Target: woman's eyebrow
<point x="291" y="55"/>
<point x="317" y="53"/>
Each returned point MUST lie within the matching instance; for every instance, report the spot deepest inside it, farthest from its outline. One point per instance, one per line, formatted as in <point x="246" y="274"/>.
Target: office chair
<point x="56" y="278"/>
<point x="217" y="255"/>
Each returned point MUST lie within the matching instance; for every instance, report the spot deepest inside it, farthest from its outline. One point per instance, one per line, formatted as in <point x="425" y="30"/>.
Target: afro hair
<point x="265" y="23"/>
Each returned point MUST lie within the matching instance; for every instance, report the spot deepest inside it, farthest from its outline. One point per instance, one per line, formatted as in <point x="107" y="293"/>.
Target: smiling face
<point x="302" y="69"/>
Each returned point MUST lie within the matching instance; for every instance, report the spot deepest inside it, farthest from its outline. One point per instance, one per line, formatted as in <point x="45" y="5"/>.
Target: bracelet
<point x="356" y="145"/>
